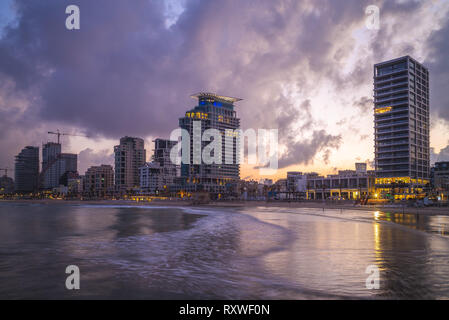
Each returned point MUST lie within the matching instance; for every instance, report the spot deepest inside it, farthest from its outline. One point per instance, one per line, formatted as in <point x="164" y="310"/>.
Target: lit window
<point x="383" y="110"/>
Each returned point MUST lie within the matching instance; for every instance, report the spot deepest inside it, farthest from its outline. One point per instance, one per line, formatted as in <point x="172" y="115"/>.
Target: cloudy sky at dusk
<point x="304" y="67"/>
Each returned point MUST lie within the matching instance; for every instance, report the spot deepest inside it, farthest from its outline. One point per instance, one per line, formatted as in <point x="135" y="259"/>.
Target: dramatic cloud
<point x="89" y="157"/>
<point x="439" y="68"/>
<point x="365" y="104"/>
<point x="131" y="67"/>
<point x="443" y="155"/>
<point x="304" y="150"/>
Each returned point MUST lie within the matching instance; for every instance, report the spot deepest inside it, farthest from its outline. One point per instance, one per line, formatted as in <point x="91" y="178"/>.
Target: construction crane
<point x="58" y="156"/>
<point x="59" y="134"/>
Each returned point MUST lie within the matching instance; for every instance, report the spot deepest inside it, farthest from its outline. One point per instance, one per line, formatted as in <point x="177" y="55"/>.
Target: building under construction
<point x="55" y="163"/>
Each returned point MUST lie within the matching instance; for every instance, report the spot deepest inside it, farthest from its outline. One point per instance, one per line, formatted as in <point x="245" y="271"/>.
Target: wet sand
<point x="247" y="204"/>
<point x="249" y="253"/>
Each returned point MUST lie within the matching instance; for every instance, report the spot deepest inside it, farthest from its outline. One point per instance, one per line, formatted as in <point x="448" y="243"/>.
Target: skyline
<point x="140" y="85"/>
<point x="224" y="154"/>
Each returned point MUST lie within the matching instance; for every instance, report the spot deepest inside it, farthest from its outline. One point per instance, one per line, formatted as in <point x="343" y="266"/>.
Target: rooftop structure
<point x="212" y="97"/>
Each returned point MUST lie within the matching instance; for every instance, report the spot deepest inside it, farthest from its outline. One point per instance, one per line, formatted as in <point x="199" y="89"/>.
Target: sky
<point x="302" y="67"/>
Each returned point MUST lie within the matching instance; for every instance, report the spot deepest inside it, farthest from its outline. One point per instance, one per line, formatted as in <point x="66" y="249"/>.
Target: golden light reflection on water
<point x="330" y="250"/>
<point x="377" y="246"/>
<point x="376" y="215"/>
<point x="330" y="254"/>
<point x="263" y="254"/>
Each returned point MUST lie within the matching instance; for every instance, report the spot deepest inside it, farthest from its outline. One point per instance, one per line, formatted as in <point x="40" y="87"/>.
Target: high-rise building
<point x="51" y="152"/>
<point x="26" y="171"/>
<point x="68" y="163"/>
<point x="55" y="164"/>
<point x="162" y="149"/>
<point x="212" y="112"/>
<point x="99" y="180"/>
<point x="401" y="112"/>
<point x="130" y="155"/>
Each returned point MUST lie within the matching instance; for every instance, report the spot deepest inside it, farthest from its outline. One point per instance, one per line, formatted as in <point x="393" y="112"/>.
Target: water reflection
<point x="258" y="253"/>
<point x="433" y="224"/>
<point x="331" y="251"/>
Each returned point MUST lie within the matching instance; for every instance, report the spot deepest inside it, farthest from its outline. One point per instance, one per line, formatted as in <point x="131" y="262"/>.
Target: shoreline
<point x="431" y="211"/>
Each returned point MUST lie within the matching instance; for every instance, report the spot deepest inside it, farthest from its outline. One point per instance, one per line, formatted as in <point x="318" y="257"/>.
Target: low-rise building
<point x="151" y="178"/>
<point x="440" y="180"/>
<point x="266" y="182"/>
<point x="75" y="184"/>
<point x="161" y="174"/>
<point x="279" y="190"/>
<point x="253" y="190"/>
<point x="347" y="185"/>
<point x="6" y="185"/>
<point x="296" y="182"/>
<point x="99" y="181"/>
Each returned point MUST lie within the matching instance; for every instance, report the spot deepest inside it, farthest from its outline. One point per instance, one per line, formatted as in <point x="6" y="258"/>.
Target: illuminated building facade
<point x="347" y="185"/>
<point x="401" y="119"/>
<point x="212" y="112"/>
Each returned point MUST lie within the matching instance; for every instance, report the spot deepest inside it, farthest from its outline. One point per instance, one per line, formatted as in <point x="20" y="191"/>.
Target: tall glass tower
<point x="212" y="112"/>
<point x="401" y="124"/>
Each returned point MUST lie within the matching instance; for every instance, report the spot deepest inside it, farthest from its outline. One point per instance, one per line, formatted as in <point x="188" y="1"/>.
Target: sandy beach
<point x="244" y="204"/>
